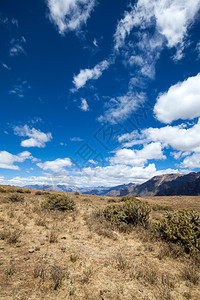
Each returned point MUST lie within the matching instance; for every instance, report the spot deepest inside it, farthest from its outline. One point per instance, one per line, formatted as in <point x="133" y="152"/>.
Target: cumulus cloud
<point x="8" y="160"/>
<point x="88" y="74"/>
<point x="192" y="161"/>
<point x="70" y="15"/>
<point x="36" y="138"/>
<point x="180" y="138"/>
<point x="181" y="101"/>
<point x="84" y="105"/>
<point x="138" y="157"/>
<point x="57" y="165"/>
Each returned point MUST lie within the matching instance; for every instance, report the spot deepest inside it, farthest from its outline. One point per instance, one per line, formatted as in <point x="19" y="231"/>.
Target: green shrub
<point x="131" y="212"/>
<point x="181" y="227"/>
<point x="38" y="193"/>
<point x="20" y="191"/>
<point x="16" y="197"/>
<point x="27" y="191"/>
<point x="58" y="202"/>
<point x="112" y="200"/>
<point x="76" y="193"/>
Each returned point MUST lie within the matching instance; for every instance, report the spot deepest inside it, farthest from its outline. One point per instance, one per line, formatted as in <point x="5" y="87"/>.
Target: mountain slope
<point x="168" y="184"/>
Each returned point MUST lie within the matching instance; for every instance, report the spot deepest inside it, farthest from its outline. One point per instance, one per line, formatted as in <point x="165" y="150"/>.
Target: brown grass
<point x="78" y="255"/>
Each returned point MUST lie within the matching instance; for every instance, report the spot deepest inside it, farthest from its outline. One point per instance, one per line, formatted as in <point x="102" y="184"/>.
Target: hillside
<point x="167" y="184"/>
<point x="78" y="255"/>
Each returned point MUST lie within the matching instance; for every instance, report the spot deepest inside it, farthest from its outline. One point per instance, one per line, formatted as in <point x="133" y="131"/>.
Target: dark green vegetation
<point x="58" y="202"/>
<point x="181" y="227"/>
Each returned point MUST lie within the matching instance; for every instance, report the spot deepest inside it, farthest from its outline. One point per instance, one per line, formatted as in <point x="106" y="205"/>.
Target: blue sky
<point x="98" y="93"/>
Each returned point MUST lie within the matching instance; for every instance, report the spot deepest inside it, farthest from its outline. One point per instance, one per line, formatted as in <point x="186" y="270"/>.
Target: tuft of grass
<point x="57" y="275"/>
<point x="53" y="237"/>
<point x="190" y="273"/>
<point x="159" y="207"/>
<point x="73" y="258"/>
<point x="11" y="236"/>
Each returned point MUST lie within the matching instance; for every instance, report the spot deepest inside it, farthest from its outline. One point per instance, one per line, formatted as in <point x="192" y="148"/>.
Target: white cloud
<point x="8" y="160"/>
<point x="180" y="138"/>
<point x="174" y="17"/>
<point x="84" y="105"/>
<point x="98" y="176"/>
<point x="191" y="162"/>
<point x="57" y="165"/>
<point x="118" y="174"/>
<point x="5" y="66"/>
<point x="138" y="157"/>
<point x="181" y="101"/>
<point x="91" y="161"/>
<point x="70" y="15"/>
<point x="171" y="18"/>
<point x="88" y="74"/>
<point x="36" y="137"/>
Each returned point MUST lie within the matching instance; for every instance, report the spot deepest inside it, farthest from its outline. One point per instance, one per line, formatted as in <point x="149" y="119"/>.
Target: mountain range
<point x="162" y="185"/>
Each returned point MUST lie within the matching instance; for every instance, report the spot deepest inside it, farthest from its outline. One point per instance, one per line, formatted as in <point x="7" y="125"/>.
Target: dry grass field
<point x="76" y="255"/>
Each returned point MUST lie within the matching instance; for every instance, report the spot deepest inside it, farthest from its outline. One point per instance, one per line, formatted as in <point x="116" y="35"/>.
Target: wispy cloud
<point x="36" y="138"/>
<point x="76" y="139"/>
<point x="17" y="47"/>
<point x="70" y="15"/>
<point x="88" y="74"/>
<point x="84" y="105"/>
<point x="20" y="88"/>
<point x="5" y="66"/>
<point x="121" y="107"/>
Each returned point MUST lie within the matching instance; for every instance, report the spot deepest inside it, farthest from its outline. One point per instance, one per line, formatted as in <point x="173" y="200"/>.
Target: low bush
<point x="58" y="202"/>
<point x="2" y="190"/>
<point x="15" y="197"/>
<point x="129" y="198"/>
<point x="132" y="212"/>
<point x="38" y="193"/>
<point x="20" y="191"/>
<point x="181" y="227"/>
<point x="76" y="193"/>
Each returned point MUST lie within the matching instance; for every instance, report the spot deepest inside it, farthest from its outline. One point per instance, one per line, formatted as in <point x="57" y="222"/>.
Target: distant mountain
<point x="168" y="184"/>
<point x="71" y="189"/>
<point x="163" y="185"/>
